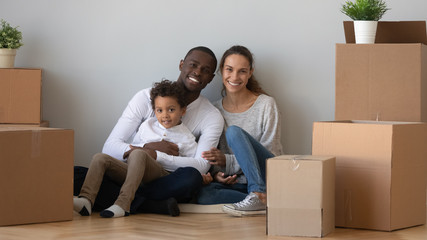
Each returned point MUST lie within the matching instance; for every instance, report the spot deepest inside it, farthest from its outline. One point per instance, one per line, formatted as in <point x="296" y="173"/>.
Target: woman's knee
<point x="233" y="133"/>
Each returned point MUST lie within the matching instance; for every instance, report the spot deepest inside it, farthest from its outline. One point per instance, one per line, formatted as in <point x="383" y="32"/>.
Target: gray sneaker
<point x="251" y="205"/>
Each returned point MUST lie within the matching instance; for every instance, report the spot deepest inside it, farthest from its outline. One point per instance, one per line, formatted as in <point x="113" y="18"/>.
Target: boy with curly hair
<point x="169" y="105"/>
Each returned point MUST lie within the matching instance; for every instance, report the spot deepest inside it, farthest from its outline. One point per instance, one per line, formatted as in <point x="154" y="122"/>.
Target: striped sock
<point x="82" y="205"/>
<point x="114" y="211"/>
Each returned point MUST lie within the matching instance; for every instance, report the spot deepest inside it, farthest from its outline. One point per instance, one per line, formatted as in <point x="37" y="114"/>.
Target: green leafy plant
<point x="10" y="37"/>
<point x="367" y="10"/>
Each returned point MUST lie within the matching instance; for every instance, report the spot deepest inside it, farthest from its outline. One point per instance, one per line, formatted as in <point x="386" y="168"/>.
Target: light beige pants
<point x="140" y="168"/>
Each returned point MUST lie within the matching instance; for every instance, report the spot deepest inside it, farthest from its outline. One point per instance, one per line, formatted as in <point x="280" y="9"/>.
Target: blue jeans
<point x="251" y="156"/>
<point x="216" y="193"/>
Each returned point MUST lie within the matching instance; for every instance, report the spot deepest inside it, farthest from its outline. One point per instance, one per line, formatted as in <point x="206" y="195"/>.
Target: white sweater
<point x="201" y="118"/>
<point x="152" y="131"/>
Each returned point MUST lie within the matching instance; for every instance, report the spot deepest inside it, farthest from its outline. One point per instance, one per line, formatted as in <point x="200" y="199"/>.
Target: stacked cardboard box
<point x="380" y="166"/>
<point x="380" y="172"/>
<point x="36" y="174"/>
<point x="20" y="95"/>
<point x="387" y="81"/>
<point x="36" y="162"/>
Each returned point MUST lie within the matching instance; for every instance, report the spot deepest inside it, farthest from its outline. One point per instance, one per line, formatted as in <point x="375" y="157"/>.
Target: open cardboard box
<point x="381" y="172"/>
<point x="386" y="81"/>
<point x="392" y="32"/>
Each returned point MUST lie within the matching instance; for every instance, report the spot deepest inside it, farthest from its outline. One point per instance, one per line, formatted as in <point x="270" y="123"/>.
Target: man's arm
<point x="137" y="111"/>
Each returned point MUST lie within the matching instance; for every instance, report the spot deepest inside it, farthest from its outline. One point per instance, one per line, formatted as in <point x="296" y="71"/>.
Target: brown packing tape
<point x="36" y="140"/>
<point x="348" y="217"/>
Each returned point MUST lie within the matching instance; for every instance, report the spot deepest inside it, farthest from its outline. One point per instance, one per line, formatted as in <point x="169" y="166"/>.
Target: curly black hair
<point x="167" y="88"/>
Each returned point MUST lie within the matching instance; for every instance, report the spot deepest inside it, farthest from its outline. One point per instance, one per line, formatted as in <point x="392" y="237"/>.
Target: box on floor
<point x="20" y="95"/>
<point x="300" y="195"/>
<point x="36" y="175"/>
<point x="386" y="81"/>
<point x="380" y="172"/>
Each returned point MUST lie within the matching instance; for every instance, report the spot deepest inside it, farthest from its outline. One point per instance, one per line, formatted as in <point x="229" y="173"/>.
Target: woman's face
<point x="236" y="73"/>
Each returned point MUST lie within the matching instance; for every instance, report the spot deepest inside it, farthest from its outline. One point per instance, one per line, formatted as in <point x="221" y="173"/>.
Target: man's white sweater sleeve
<point x="137" y="110"/>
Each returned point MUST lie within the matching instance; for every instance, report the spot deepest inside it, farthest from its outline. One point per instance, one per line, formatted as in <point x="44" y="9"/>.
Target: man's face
<point x="197" y="70"/>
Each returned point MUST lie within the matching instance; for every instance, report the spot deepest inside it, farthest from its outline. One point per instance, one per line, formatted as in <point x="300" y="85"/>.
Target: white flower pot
<point x="365" y="31"/>
<point x="7" y="58"/>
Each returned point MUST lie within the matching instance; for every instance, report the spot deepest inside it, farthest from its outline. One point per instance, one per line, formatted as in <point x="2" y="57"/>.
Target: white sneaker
<point x="251" y="205"/>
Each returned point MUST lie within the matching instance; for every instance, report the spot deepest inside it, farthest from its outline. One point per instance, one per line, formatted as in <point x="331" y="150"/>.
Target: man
<point x="187" y="173"/>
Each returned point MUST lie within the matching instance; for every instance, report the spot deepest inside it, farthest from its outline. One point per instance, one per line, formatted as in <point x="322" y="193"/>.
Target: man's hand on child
<point x="163" y="146"/>
<point x="151" y="152"/>
<point x="215" y="157"/>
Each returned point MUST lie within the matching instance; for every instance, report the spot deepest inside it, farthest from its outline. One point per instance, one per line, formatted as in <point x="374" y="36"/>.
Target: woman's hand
<point x="207" y="178"/>
<point x="219" y="177"/>
<point x="215" y="157"/>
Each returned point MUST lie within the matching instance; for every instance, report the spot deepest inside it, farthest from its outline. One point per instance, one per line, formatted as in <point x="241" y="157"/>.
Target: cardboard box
<point x="385" y="82"/>
<point x="36" y="175"/>
<point x="20" y="95"/>
<point x="392" y="32"/>
<point x="380" y="172"/>
<point x="300" y="195"/>
<point x="14" y="125"/>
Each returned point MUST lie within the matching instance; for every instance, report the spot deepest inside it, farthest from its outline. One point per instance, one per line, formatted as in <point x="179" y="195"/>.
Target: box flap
<point x="15" y="128"/>
<point x="393" y="32"/>
<point x="302" y="157"/>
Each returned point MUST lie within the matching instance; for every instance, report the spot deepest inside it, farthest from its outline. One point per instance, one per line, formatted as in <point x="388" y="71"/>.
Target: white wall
<point x="97" y="54"/>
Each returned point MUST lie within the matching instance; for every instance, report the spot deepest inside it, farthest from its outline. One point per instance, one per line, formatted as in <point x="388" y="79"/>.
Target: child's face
<point x="168" y="111"/>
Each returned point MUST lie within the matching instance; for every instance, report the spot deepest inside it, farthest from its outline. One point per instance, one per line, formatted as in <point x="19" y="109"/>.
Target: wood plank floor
<point x="186" y="226"/>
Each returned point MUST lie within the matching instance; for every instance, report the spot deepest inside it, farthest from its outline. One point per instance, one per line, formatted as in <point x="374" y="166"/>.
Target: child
<point x="169" y="106"/>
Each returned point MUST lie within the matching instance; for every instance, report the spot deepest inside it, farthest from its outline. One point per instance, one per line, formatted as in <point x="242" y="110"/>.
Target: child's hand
<point x="151" y="152"/>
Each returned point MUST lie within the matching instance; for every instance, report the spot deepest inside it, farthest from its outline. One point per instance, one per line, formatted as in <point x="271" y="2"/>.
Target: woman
<point x="252" y="135"/>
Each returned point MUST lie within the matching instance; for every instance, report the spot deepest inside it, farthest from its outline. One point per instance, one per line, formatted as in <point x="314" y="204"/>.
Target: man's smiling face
<point x="197" y="70"/>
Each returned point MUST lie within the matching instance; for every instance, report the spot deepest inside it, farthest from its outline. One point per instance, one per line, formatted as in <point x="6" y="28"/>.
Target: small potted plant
<point x="10" y="40"/>
<point x="366" y="14"/>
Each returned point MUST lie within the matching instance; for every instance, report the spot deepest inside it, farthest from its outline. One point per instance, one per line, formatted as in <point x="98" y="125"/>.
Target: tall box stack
<point x="36" y="175"/>
<point x="380" y="172"/>
<point x="20" y="96"/>
<point x="386" y="81"/>
<point x="300" y="195"/>
<point x="36" y="163"/>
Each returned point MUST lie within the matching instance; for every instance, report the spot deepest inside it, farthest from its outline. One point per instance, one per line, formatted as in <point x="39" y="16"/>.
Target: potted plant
<point x="10" y="40"/>
<point x="366" y="14"/>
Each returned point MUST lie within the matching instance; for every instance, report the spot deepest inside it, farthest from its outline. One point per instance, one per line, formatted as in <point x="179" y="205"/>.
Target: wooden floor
<point x="186" y="226"/>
